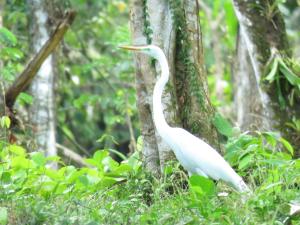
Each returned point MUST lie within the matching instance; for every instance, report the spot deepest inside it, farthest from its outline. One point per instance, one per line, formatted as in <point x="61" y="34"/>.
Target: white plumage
<point x="196" y="156"/>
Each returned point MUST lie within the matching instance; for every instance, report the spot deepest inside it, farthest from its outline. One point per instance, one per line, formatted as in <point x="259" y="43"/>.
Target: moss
<point x="187" y="80"/>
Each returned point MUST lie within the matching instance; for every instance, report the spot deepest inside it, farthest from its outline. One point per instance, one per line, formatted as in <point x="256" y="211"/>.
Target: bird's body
<point x="195" y="155"/>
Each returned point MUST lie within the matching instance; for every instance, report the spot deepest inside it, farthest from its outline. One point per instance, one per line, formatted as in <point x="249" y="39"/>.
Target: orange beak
<point x="132" y="48"/>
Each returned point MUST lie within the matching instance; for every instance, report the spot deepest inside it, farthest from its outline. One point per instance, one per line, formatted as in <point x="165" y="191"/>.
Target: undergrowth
<point x="108" y="192"/>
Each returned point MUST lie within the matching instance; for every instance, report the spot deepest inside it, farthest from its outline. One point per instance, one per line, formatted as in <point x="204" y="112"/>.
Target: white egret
<point x="195" y="155"/>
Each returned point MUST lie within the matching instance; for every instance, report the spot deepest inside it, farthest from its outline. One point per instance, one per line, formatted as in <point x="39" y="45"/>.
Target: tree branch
<point x="26" y="77"/>
<point x="71" y="155"/>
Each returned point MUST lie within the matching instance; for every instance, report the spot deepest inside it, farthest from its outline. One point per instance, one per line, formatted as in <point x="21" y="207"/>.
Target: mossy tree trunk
<point x="172" y="25"/>
<point x="2" y="105"/>
<point x="262" y="34"/>
<point x="42" y="17"/>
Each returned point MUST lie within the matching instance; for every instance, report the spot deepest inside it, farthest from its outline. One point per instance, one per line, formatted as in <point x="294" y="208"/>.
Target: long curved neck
<point x="158" y="115"/>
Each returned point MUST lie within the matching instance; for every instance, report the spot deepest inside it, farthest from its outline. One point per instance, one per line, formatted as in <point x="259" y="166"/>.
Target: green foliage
<point x="3" y="215"/>
<point x="222" y="125"/>
<point x="108" y="192"/>
<point x="261" y="154"/>
<point x="284" y="71"/>
<point x="5" y="122"/>
<point x="147" y="28"/>
<point x="96" y="94"/>
<point x="97" y="83"/>
<point x="10" y="54"/>
<point x="188" y="71"/>
<point x="219" y="24"/>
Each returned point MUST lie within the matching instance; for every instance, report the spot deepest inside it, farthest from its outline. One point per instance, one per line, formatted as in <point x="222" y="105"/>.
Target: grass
<point x="112" y="193"/>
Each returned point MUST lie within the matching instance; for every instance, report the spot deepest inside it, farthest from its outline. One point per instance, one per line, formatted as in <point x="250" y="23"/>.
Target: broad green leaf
<point x="17" y="150"/>
<point x="38" y="158"/>
<point x="21" y="163"/>
<point x="122" y="169"/>
<point x="109" y="164"/>
<point x="289" y="75"/>
<point x="100" y="155"/>
<point x="222" y="125"/>
<point x="5" y="122"/>
<point x="207" y="186"/>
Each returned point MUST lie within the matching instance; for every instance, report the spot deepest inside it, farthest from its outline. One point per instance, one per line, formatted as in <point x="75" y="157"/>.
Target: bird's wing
<point x="203" y="157"/>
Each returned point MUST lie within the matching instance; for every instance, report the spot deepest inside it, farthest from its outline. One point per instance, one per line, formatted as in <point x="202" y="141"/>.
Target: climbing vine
<point x="186" y="74"/>
<point x="147" y="28"/>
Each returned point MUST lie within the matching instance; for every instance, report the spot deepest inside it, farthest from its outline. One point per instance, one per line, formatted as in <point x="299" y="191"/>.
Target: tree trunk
<point x="185" y="99"/>
<point x="2" y="91"/>
<point x="42" y="15"/>
<point x="261" y="31"/>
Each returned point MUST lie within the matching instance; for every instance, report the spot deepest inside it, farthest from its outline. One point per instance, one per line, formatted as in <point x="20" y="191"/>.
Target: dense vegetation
<point x="108" y="192"/>
<point x="96" y="98"/>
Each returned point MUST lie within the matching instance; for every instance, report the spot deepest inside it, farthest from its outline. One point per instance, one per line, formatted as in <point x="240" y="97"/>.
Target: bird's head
<point x="150" y="50"/>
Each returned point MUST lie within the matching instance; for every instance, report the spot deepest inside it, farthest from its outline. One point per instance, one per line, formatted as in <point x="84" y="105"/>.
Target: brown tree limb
<point x="71" y="155"/>
<point x="26" y="77"/>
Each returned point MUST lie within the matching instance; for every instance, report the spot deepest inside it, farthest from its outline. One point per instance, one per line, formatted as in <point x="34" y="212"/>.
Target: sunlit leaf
<point x="206" y="185"/>
<point x="287" y="145"/>
<point x="222" y="125"/>
<point x="6" y="37"/>
<point x="5" y="122"/>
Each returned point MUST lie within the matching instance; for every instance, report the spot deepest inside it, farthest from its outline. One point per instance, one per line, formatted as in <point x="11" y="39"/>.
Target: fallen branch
<point x="71" y="155"/>
<point x="26" y="77"/>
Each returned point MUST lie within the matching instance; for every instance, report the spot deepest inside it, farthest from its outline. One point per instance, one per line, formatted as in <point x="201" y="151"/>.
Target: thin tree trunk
<point x="185" y="99"/>
<point x="42" y="88"/>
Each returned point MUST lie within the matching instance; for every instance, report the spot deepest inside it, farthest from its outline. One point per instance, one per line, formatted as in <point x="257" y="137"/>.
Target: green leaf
<point x="272" y="74"/>
<point x="12" y="53"/>
<point x="206" y="185"/>
<point x="287" y="145"/>
<point x="84" y="180"/>
<point x="68" y="132"/>
<point x="7" y="38"/>
<point x="38" y="158"/>
<point x="3" y="215"/>
<point x="24" y="98"/>
<point x="5" y="121"/>
<point x="21" y="163"/>
<point x="289" y="75"/>
<point x="5" y="177"/>
<point x="17" y="150"/>
<point x="222" y="125"/>
<point x="100" y="155"/>
<point x="245" y="162"/>
<point x="271" y="137"/>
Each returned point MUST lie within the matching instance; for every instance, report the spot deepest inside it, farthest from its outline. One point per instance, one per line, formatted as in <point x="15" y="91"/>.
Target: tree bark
<point x="2" y="105"/>
<point x="185" y="99"/>
<point x="42" y="16"/>
<point x="261" y="32"/>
